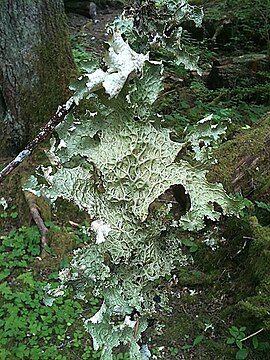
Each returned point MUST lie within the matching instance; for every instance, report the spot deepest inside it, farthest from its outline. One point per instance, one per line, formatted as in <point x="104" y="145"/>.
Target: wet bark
<point x="35" y="67"/>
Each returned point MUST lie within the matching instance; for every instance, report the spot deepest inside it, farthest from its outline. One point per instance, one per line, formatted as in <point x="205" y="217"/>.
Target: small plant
<point x="236" y="338"/>
<point x="198" y="339"/>
<point x="6" y="212"/>
<point x="121" y="356"/>
<point x="263" y="205"/>
<point x="28" y="328"/>
<point x="193" y="247"/>
<point x="84" y="60"/>
<point x="173" y="351"/>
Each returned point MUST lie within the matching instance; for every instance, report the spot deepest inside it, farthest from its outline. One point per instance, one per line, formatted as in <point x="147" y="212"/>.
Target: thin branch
<point x="251" y="335"/>
<point x="44" y="132"/>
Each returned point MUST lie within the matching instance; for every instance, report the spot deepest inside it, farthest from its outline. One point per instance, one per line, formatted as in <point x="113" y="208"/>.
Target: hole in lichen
<point x="176" y="198"/>
<point x="216" y="206"/>
<point x="182" y="197"/>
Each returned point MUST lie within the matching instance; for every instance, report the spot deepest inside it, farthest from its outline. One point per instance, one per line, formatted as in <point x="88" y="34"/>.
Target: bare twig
<point x="251" y="335"/>
<point x="46" y="130"/>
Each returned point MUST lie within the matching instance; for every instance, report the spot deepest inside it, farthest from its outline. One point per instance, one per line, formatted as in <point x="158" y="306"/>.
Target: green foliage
<point x="85" y="61"/>
<point x="18" y="248"/>
<point x="121" y="356"/>
<point x="28" y="328"/>
<point x="251" y="15"/>
<point x="198" y="339"/>
<point x="237" y="335"/>
<point x="245" y="16"/>
<point x="182" y="106"/>
<point x="7" y="212"/>
<point x="263" y="205"/>
<point x="173" y="351"/>
<point x="193" y="247"/>
<point x="238" y="338"/>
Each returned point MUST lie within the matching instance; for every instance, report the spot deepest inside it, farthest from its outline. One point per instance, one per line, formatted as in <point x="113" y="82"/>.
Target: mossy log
<point x="233" y="71"/>
<point x="244" y="162"/>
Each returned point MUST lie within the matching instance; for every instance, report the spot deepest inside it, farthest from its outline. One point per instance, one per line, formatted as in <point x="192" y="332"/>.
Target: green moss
<point x="62" y="243"/>
<point x="260" y="250"/>
<point x="243" y="163"/>
<point x="54" y="68"/>
<point x="257" y="307"/>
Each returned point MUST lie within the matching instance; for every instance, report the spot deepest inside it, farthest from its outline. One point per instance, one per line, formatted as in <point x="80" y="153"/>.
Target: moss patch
<point x="244" y="163"/>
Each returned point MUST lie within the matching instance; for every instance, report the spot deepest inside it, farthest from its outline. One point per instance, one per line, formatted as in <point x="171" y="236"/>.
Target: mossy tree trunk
<point x="35" y="67"/>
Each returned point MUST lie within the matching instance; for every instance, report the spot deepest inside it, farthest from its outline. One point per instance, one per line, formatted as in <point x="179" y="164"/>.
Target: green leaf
<point x="187" y="242"/>
<point x="230" y="340"/>
<point x="4" y="215"/>
<point x="263" y="205"/>
<point x="52" y="226"/>
<point x="5" y="290"/>
<point x="241" y="335"/>
<point x="27" y="278"/>
<point x="234" y="331"/>
<point x="64" y="263"/>
<point x="14" y="215"/>
<point x="194" y="248"/>
<point x="255" y="342"/>
<point x="198" y="340"/>
<point x="49" y="251"/>
<point x="242" y="354"/>
<point x="263" y="345"/>
<point x="239" y="344"/>
<point x="4" y="274"/>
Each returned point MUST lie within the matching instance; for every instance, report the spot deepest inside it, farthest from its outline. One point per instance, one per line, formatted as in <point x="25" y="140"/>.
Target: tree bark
<point x="36" y="64"/>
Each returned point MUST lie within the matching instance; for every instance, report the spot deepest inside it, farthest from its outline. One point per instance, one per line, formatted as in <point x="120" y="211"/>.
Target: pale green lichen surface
<point x="114" y="164"/>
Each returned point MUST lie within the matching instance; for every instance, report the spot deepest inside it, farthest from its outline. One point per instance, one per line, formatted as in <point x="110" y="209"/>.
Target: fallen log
<point x="243" y="163"/>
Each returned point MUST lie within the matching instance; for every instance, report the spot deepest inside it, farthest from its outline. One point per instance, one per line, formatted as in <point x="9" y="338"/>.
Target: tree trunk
<point x="35" y="67"/>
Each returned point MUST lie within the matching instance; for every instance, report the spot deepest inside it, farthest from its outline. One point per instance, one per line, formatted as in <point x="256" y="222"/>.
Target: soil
<point x="92" y="32"/>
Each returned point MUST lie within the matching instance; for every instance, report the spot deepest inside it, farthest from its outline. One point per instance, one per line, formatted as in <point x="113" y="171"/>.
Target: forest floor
<point x="92" y="33"/>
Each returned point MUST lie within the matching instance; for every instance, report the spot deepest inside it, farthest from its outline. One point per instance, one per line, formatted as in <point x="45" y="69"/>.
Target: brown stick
<point x="46" y="130"/>
<point x="29" y="197"/>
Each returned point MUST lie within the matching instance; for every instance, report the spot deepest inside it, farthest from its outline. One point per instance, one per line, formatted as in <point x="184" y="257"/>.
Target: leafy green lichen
<point x="114" y="163"/>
